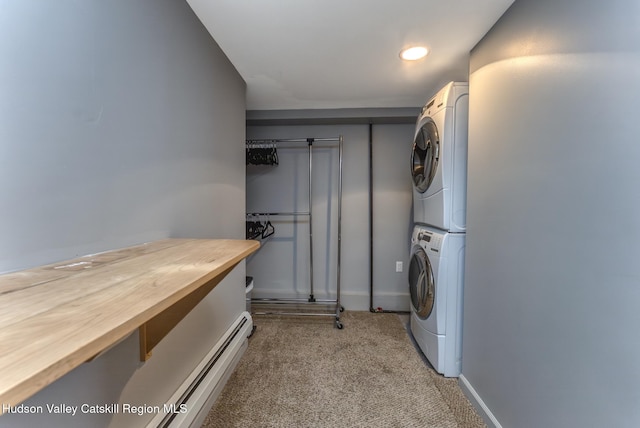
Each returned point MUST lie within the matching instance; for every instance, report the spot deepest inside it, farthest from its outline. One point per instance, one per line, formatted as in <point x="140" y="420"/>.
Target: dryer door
<point x="421" y="285"/>
<point x="424" y="156"/>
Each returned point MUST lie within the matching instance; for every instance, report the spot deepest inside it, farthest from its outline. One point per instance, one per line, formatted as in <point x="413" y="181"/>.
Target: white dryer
<point x="436" y="277"/>
<point x="439" y="160"/>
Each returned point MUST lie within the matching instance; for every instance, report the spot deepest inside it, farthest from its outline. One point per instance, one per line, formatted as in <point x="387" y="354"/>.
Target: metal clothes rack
<point x="311" y="300"/>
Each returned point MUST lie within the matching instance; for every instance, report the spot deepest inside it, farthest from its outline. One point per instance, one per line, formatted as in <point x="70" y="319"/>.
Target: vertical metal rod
<point x="338" y="306"/>
<point x="371" y="308"/>
<point x="311" y="296"/>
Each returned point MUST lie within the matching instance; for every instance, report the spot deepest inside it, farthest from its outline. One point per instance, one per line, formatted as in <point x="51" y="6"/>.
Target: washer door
<point x="421" y="284"/>
<point x="424" y="156"/>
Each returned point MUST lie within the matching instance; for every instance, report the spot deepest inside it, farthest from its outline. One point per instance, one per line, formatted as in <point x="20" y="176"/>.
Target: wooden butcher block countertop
<point x="55" y="317"/>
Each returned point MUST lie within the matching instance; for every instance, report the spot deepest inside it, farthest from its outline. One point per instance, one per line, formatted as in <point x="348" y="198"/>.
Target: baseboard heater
<point x="190" y="404"/>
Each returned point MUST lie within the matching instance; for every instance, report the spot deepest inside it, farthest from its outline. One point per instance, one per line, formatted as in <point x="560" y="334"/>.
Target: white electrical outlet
<point x="398" y="266"/>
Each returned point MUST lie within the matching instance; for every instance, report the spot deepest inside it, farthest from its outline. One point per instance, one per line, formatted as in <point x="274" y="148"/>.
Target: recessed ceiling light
<point x="414" y="53"/>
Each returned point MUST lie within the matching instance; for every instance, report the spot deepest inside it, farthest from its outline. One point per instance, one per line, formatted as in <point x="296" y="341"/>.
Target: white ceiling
<point x="317" y="54"/>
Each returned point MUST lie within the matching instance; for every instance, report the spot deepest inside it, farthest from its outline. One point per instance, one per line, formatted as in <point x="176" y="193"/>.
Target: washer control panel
<point x="427" y="239"/>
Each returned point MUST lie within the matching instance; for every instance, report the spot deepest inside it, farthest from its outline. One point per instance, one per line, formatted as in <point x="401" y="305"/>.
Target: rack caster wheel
<point x="341" y="308"/>
<point x="339" y="325"/>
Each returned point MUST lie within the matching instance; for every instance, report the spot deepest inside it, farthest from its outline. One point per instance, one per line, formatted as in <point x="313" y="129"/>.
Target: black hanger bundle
<point x="262" y="153"/>
<point x="257" y="229"/>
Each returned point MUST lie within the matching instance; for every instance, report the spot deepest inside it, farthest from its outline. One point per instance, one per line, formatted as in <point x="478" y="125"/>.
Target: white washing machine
<point x="436" y="277"/>
<point x="439" y="160"/>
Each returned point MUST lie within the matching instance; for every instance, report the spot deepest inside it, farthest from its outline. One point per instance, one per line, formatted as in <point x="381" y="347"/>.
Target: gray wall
<point x="552" y="281"/>
<point x="281" y="267"/>
<point x="120" y="122"/>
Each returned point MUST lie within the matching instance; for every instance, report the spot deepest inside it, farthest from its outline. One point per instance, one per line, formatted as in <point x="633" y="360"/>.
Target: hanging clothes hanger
<point x="268" y="230"/>
<point x="261" y="153"/>
<point x="274" y="154"/>
<point x="254" y="228"/>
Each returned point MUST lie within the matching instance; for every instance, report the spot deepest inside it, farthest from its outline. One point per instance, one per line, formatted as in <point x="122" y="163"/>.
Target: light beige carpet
<point x="303" y="372"/>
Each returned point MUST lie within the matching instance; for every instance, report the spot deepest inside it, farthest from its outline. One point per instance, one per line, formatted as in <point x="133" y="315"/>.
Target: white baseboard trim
<point x="477" y="403"/>
<point x="190" y="404"/>
<point x="350" y="300"/>
<point x="391" y="301"/>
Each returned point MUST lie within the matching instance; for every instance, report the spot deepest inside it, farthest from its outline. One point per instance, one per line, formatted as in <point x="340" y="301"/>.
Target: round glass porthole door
<point x="421" y="285"/>
<point x="424" y="156"/>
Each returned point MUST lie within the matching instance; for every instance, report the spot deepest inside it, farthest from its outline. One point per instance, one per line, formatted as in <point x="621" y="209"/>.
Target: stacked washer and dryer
<point x="436" y="269"/>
